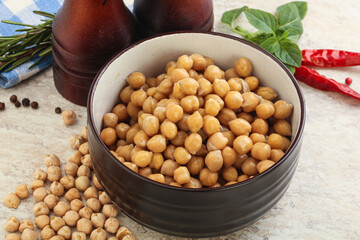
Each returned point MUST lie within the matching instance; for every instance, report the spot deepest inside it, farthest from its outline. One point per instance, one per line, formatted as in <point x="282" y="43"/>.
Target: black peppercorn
<point x="58" y="110"/>
<point x="17" y="104"/>
<point x="34" y="105"/>
<point x="2" y="106"/>
<point x="25" y="102"/>
<point x="13" y="98"/>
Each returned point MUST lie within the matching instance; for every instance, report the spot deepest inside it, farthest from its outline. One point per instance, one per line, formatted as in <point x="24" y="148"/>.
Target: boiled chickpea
<point x="205" y="87"/>
<point x="214" y="160"/>
<point x="229" y="156"/>
<point x="246" y="116"/>
<point x="264" y="165"/>
<point x="213" y="72"/>
<point x="243" y="67"/>
<point x="211" y="125"/>
<point x="108" y="136"/>
<point x="136" y="79"/>
<point x="40" y="174"/>
<point x="181" y="155"/>
<point x="243" y="144"/>
<point x="195" y="165"/>
<point x="182" y="124"/>
<point x="182" y="175"/>
<point x="199" y="62"/>
<point x="193" y="143"/>
<point x="121" y="112"/>
<point x="168" y="129"/>
<point x="110" y="120"/>
<point x="157" y="177"/>
<point x="250" y="101"/>
<point x="12" y="224"/>
<point x="98" y="220"/>
<point x="76" y="205"/>
<point x="121" y="130"/>
<point x="257" y="137"/>
<point x="261" y="151"/>
<point x="141" y="138"/>
<point x="230" y="137"/>
<point x="286" y="143"/>
<point x="259" y="125"/>
<point x="229" y="174"/>
<point x="94" y="204"/>
<point x="275" y="141"/>
<point x="221" y="87"/>
<point x="282" y="127"/>
<point x="125" y="151"/>
<point x="249" y="166"/>
<point x="174" y="112"/>
<point x="207" y="177"/>
<point x="217" y="141"/>
<point x="233" y="100"/>
<point x="226" y="115"/>
<point x="265" y="110"/>
<point x="168" y="153"/>
<point x="61" y="208"/>
<point x="142" y="158"/>
<point x="216" y="98"/>
<point x="242" y="178"/>
<point x="132" y="166"/>
<point x="185" y="62"/>
<point x="276" y="155"/>
<point x="138" y="97"/>
<point x="267" y="93"/>
<point x="157" y="143"/>
<point x="57" y="189"/>
<point x="212" y="107"/>
<point x="190" y="104"/>
<point x="235" y="84"/>
<point x="84" y="225"/>
<point x="253" y="82"/>
<point x="194" y="122"/>
<point x="189" y="86"/>
<point x="71" y="217"/>
<point x="85" y="212"/>
<point x="168" y="167"/>
<point x="178" y="74"/>
<point x="240" y="160"/>
<point x="240" y="126"/>
<point x="231" y="73"/>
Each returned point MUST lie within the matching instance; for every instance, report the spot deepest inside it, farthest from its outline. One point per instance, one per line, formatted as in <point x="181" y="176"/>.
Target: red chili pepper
<point x="314" y="79"/>
<point x="348" y="81"/>
<point x="329" y="58"/>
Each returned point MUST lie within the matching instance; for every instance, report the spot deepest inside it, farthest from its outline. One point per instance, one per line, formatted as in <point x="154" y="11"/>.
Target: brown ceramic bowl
<point x="180" y="211"/>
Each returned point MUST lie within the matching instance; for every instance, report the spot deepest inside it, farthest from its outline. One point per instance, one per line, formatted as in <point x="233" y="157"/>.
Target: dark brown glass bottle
<point x="86" y="33"/>
<point x="158" y="16"/>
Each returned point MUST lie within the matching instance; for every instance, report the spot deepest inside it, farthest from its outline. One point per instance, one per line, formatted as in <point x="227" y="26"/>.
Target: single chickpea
<point x="29" y="235"/>
<point x="84" y="225"/>
<point x="146" y="171"/>
<point x="242" y="178"/>
<point x="195" y="122"/>
<point x="177" y="93"/>
<point x="149" y="105"/>
<point x="211" y="125"/>
<point x="42" y="221"/>
<point x="84" y="134"/>
<point x="185" y="62"/>
<point x="157" y="143"/>
<point x="287" y="143"/>
<point x="189" y="86"/>
<point x="275" y="141"/>
<point x="221" y="87"/>
<point x="78" y="236"/>
<point x="97" y="183"/>
<point x="12" y="224"/>
<point x="76" y="205"/>
<point x="169" y="64"/>
<point x="150" y="125"/>
<point x="193" y="143"/>
<point x="36" y="184"/>
<point x="40" y="174"/>
<point x="40" y="193"/>
<point x="86" y="161"/>
<point x="267" y="93"/>
<point x="68" y="182"/>
<point x="142" y="158"/>
<point x="110" y="120"/>
<point x="71" y="217"/>
<point x="181" y="155"/>
<point x="213" y="72"/>
<point x="151" y="82"/>
<point x="168" y="153"/>
<point x="165" y="87"/>
<point x="217" y="141"/>
<point x="21" y="191"/>
<point x="243" y="67"/>
<point x="182" y="175"/>
<point x="40" y="209"/>
<point x="265" y="110"/>
<point x="207" y="177"/>
<point x="233" y="100"/>
<point x="51" y="160"/>
<point x="61" y="208"/>
<point x="282" y="127"/>
<point x="214" y="161"/>
<point x="69" y="117"/>
<point x="72" y="194"/>
<point x="12" y="236"/>
<point x="229" y="156"/>
<point x="56" y="223"/>
<point x="136" y="80"/>
<point x="246" y="116"/>
<point x="168" y="129"/>
<point x="264" y="165"/>
<point x="121" y="129"/>
<point x="243" y="144"/>
<point x="178" y="74"/>
<point x="54" y="173"/>
<point x="195" y="165"/>
<point x="253" y="82"/>
<point x="98" y="220"/>
<point x="230" y="137"/>
<point x="235" y="84"/>
<point x="158" y="177"/>
<point x="84" y="148"/>
<point x="91" y="192"/>
<point x="75" y="158"/>
<point x="82" y="183"/>
<point x="64" y="232"/>
<point x="240" y="126"/>
<point x="174" y="112"/>
<point x="212" y="107"/>
<point x="229" y="173"/>
<point x="190" y="104"/>
<point x="231" y="73"/>
<point x="75" y="141"/>
<point x="249" y="166"/>
<point x="138" y="97"/>
<point x="160" y="78"/>
<point x="199" y="62"/>
<point x="132" y="110"/>
<point x="216" y="98"/>
<point x="205" y="87"/>
<point x="51" y="200"/>
<point x="160" y="113"/>
<point x="193" y="183"/>
<point x="84" y="171"/>
<point x="276" y="155"/>
<point x="112" y="225"/>
<point x="98" y="234"/>
<point x="125" y="151"/>
<point x="26" y="224"/>
<point x="257" y="137"/>
<point x="47" y="233"/>
<point x="122" y="232"/>
<point x="261" y="151"/>
<point x="57" y="189"/>
<point x="250" y="101"/>
<point x="259" y="125"/>
<point x="85" y="212"/>
<point x="94" y="204"/>
<point x="104" y="198"/>
<point x="71" y="169"/>
<point x="226" y="115"/>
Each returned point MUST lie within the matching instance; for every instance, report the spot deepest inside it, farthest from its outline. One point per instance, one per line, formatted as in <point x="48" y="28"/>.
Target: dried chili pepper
<point x="329" y="58"/>
<point x="314" y="79"/>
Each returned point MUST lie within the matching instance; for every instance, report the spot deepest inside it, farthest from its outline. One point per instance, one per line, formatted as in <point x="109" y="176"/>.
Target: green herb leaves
<point x="276" y="34"/>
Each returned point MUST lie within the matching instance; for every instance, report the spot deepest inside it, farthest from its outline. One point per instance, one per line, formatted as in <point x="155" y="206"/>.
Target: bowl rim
<point x="294" y="143"/>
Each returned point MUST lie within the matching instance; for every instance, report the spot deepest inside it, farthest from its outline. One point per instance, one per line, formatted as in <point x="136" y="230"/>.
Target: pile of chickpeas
<point x="71" y="202"/>
<point x="198" y="126"/>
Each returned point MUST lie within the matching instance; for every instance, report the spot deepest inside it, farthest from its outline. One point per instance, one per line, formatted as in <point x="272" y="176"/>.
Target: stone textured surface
<point x="323" y="201"/>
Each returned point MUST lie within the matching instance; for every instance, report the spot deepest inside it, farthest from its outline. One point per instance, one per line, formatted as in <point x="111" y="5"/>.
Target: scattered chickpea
<point x="91" y="192"/>
<point x="76" y="205"/>
<point x="71" y="217"/>
<point x="12" y="200"/>
<point x="57" y="189"/>
<point x="40" y="174"/>
<point x="78" y="236"/>
<point x="86" y="161"/>
<point x="82" y="183"/>
<point x="61" y="208"/>
<point x="56" y="223"/>
<point x="51" y="160"/>
<point x="111" y="225"/>
<point x="84" y="171"/>
<point x="72" y="194"/>
<point x="94" y="204"/>
<point x="85" y="212"/>
<point x="36" y="184"/>
<point x="104" y="198"/>
<point x="29" y="234"/>
<point x="68" y="182"/>
<point x="98" y="234"/>
<point x="122" y="232"/>
<point x="71" y="169"/>
<point x="64" y="232"/>
<point x="69" y="117"/>
<point x="84" y="134"/>
<point x="57" y="237"/>
<point x="40" y="193"/>
<point x="47" y="233"/>
<point x="54" y="173"/>
<point x="42" y="221"/>
<point x="84" y="225"/>
<point x="12" y="224"/>
<point x="84" y="148"/>
<point x="26" y="224"/>
<point x="96" y="183"/>
<point x="12" y="236"/>
<point x="40" y="209"/>
<point x="109" y="210"/>
<point x="76" y="158"/>
<point x="75" y="141"/>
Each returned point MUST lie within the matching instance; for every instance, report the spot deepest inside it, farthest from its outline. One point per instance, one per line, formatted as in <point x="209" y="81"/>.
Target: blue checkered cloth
<point x="22" y="11"/>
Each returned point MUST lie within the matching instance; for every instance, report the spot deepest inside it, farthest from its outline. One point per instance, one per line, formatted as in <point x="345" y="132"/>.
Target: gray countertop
<point x="323" y="200"/>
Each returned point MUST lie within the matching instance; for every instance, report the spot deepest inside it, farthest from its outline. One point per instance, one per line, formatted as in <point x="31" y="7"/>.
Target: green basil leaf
<point x="289" y="18"/>
<point x="229" y="17"/>
<point x="300" y="5"/>
<point x="261" y="20"/>
<point x="290" y="35"/>
<point x="271" y="45"/>
<point x="289" y="53"/>
<point x="258" y="38"/>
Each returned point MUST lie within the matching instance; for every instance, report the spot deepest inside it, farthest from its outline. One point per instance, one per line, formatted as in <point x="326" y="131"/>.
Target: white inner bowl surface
<point x="150" y="57"/>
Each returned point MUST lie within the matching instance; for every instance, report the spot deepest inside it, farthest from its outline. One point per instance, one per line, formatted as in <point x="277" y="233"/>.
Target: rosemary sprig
<point x="17" y="49"/>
